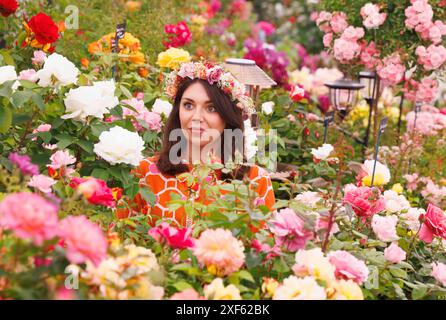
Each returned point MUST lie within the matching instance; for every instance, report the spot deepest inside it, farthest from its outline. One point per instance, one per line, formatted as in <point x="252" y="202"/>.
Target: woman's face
<point x="199" y="118"/>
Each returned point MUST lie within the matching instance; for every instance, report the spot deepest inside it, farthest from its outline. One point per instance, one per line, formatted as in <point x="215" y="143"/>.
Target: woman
<point x="208" y="104"/>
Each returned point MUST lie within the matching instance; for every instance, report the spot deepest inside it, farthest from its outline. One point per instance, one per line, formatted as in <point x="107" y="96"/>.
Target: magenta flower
<point x="29" y="216"/>
<point x="94" y="190"/>
<point x="175" y="237"/>
<point x="289" y="230"/>
<point x="24" y="164"/>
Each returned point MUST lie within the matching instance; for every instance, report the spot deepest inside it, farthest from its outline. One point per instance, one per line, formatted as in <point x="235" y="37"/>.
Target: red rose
<point x="297" y="93"/>
<point x="8" y="7"/>
<point x="44" y="28"/>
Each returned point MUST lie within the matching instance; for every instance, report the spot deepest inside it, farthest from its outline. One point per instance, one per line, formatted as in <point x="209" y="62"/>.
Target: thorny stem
<point x="333" y="208"/>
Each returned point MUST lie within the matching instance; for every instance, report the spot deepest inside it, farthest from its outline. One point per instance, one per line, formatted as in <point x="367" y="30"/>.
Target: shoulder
<point x="257" y="172"/>
<point x="147" y="165"/>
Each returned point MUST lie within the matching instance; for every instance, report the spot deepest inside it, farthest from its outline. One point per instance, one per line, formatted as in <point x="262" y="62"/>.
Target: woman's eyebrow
<point x="192" y="100"/>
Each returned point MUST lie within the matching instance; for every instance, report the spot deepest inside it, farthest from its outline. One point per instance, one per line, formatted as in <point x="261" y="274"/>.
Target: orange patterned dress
<point x="162" y="186"/>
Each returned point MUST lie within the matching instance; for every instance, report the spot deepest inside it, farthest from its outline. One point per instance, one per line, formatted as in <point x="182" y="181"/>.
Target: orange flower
<point x="61" y="26"/>
<point x="137" y="58"/>
<point x="85" y="62"/>
<point x="133" y="6"/>
<point x="94" y="47"/>
<point x="143" y="72"/>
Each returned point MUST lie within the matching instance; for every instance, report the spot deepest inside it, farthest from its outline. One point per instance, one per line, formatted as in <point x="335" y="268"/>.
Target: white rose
<point x="95" y="100"/>
<point x="162" y="107"/>
<point x="294" y="288"/>
<point x="57" y="71"/>
<point x="395" y="202"/>
<point x="119" y="145"/>
<point x="268" y="107"/>
<point x="323" y="152"/>
<point x="250" y="140"/>
<point x="8" y="73"/>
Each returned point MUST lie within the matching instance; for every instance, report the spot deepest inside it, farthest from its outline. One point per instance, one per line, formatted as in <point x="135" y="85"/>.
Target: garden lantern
<point x="254" y="78"/>
<point x="370" y="81"/>
<point x="344" y="95"/>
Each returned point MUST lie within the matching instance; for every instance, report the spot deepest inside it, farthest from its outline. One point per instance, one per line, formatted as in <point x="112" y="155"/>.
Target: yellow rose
<point x="269" y="286"/>
<point x="398" y="188"/>
<point x="217" y="291"/>
<point x="172" y="58"/>
<point x="345" y="290"/>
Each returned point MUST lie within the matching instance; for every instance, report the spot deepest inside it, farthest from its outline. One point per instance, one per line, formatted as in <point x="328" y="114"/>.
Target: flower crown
<point x="213" y="74"/>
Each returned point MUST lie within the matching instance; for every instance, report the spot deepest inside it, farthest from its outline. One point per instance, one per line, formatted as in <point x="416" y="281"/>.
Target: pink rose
<point x="439" y="272"/>
<point x="327" y="39"/>
<point x="213" y="74"/>
<point x="348" y="267"/>
<point x="339" y="22"/>
<point x="187" y="70"/>
<point x="364" y="201"/>
<point x="39" y="57"/>
<point x="288" y="229"/>
<point x="29" y="74"/>
<point x="434" y="224"/>
<point x="352" y="33"/>
<point x="187" y="294"/>
<point x="394" y="253"/>
<point x="61" y="159"/>
<point x="29" y="216"/>
<point x="84" y="240"/>
<point x="42" y="183"/>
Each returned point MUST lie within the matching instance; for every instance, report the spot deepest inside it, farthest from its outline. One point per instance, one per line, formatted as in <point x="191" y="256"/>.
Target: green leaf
<point x="181" y="285"/>
<point x="7" y="57"/>
<point x="64" y="140"/>
<point x="6" y="89"/>
<point x="5" y="118"/>
<point x="419" y="292"/>
<point x="148" y="195"/>
<point x="37" y="99"/>
<point x="100" y="174"/>
<point x="397" y="272"/>
<point x="245" y="275"/>
<point x="125" y="91"/>
<point x="19" y="98"/>
<point x="45" y="136"/>
<point x="131" y="190"/>
<point x="87" y="146"/>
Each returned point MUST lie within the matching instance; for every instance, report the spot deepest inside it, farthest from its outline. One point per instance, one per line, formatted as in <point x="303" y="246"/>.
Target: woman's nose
<point x="198" y="114"/>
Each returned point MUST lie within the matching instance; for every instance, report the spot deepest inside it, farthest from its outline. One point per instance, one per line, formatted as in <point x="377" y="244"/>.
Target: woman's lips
<point x="196" y="131"/>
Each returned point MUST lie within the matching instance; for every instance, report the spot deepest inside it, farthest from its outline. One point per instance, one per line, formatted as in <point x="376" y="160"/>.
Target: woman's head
<point x="201" y="112"/>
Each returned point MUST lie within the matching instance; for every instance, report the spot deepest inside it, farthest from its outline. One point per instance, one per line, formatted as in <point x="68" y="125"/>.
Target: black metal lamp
<point x="370" y="91"/>
<point x="344" y="95"/>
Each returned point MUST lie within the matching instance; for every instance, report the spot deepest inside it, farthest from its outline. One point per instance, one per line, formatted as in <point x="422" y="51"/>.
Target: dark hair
<point x="226" y="108"/>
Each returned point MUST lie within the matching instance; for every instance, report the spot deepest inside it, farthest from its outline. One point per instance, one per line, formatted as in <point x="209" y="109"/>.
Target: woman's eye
<point x="188" y="106"/>
<point x="211" y="109"/>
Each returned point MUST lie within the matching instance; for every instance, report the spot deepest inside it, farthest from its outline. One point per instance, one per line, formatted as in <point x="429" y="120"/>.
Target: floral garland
<point x="214" y="74"/>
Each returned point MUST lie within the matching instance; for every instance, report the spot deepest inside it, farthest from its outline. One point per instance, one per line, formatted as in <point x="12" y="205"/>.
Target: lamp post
<point x="254" y="78"/>
<point x="371" y="82"/>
